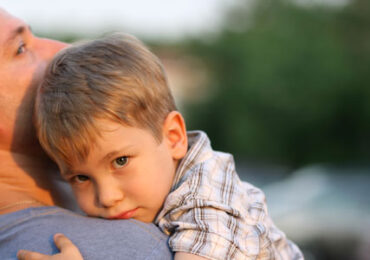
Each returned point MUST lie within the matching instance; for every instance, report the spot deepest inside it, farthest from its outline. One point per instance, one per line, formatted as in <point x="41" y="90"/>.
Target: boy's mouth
<point x="125" y="215"/>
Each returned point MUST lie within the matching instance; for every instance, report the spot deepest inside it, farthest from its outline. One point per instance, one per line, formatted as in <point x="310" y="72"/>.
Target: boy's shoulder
<point x="207" y="197"/>
<point x="205" y="174"/>
<point x="201" y="151"/>
<point x="202" y="159"/>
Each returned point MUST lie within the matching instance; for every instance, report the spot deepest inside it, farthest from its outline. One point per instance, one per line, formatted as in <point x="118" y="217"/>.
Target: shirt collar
<point x="199" y="150"/>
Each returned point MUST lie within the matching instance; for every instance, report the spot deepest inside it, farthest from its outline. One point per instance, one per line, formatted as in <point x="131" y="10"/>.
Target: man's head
<point x="23" y="59"/>
<point x="115" y="78"/>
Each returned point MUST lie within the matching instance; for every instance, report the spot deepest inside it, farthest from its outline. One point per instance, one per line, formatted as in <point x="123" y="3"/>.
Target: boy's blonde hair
<point x="115" y="78"/>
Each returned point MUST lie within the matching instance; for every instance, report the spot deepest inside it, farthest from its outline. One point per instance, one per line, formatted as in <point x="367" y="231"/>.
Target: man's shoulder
<point x="33" y="228"/>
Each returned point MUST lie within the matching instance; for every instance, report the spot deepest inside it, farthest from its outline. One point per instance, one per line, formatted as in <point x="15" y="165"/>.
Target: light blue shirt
<point x="33" y="229"/>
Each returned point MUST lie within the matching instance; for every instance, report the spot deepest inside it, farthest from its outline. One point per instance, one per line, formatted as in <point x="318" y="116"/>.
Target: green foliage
<point x="289" y="83"/>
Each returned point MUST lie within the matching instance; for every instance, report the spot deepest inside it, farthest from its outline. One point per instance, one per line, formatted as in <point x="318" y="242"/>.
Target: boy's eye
<point x="80" y="178"/>
<point x="21" y="48"/>
<point x="120" y="162"/>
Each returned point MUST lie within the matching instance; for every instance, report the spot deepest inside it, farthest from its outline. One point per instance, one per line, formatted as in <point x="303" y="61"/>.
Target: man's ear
<point x="174" y="133"/>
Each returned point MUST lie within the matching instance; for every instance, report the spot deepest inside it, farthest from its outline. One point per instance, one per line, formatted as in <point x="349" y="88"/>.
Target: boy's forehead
<point x="107" y="128"/>
<point x="115" y="137"/>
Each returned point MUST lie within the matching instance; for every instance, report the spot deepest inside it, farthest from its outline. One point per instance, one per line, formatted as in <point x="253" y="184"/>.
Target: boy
<point x="105" y="114"/>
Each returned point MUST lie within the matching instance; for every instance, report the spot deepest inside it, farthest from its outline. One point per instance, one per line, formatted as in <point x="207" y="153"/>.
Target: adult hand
<point x="67" y="251"/>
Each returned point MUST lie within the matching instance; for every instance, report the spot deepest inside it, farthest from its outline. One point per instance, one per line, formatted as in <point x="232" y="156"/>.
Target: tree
<point x="289" y="83"/>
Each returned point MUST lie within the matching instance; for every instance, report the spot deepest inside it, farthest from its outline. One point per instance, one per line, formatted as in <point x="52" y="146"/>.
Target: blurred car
<point x="325" y="210"/>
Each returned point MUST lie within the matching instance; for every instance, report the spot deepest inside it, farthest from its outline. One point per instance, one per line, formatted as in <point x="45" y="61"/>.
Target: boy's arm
<point x="67" y="251"/>
<point x="187" y="256"/>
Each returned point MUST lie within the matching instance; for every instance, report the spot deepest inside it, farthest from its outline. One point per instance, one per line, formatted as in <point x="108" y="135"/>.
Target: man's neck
<point x="24" y="181"/>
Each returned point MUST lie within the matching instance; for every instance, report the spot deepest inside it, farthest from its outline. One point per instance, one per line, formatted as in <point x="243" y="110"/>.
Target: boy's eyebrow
<point x="65" y="174"/>
<point x="121" y="152"/>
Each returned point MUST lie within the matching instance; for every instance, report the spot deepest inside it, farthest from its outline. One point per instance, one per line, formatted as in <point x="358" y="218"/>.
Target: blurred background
<point x="281" y="84"/>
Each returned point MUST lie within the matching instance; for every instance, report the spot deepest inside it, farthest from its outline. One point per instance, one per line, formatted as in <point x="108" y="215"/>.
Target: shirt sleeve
<point x="215" y="215"/>
<point x="206" y="230"/>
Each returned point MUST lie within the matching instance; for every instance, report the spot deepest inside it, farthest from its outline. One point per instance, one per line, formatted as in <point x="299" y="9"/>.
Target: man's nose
<point x="47" y="48"/>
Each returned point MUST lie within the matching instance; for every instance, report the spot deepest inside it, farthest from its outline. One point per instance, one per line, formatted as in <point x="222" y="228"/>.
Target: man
<point x="28" y="216"/>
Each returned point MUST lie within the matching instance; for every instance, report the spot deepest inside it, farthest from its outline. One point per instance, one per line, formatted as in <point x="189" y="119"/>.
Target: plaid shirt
<point x="210" y="212"/>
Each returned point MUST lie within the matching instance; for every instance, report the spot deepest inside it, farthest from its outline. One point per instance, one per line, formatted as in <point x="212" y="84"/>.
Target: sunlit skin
<point x="23" y="58"/>
<point x="128" y="173"/>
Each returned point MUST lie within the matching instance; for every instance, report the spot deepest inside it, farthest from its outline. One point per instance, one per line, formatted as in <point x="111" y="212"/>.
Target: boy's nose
<point x="109" y="196"/>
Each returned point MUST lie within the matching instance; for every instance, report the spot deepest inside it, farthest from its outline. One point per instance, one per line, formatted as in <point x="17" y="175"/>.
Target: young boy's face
<point x="127" y="174"/>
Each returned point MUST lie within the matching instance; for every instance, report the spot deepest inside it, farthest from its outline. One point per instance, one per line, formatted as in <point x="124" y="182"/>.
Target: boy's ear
<point x="174" y="133"/>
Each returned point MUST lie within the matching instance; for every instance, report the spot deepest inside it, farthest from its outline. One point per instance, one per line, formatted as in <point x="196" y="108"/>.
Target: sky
<point x="164" y="18"/>
<point x="168" y="19"/>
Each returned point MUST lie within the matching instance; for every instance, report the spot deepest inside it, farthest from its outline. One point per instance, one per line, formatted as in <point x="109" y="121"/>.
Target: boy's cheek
<point x="85" y="203"/>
